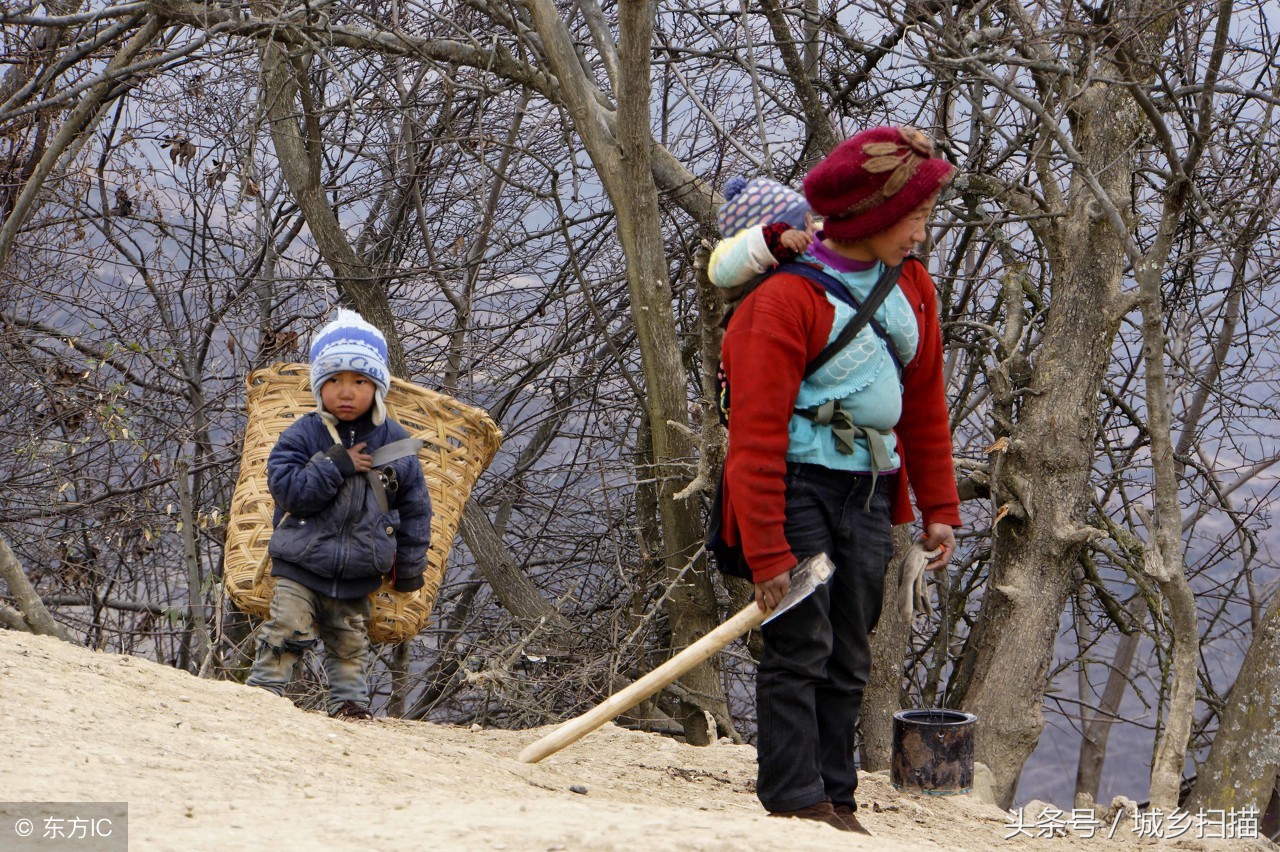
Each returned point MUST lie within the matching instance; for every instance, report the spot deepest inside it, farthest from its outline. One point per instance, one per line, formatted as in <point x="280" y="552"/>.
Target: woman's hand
<point x="771" y="592"/>
<point x="935" y="536"/>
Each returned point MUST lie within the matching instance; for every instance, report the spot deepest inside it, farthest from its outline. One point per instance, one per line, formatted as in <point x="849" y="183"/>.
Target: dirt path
<point x="215" y="765"/>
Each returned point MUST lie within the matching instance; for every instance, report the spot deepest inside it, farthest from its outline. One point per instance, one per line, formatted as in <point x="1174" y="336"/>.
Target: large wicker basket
<point x="459" y="442"/>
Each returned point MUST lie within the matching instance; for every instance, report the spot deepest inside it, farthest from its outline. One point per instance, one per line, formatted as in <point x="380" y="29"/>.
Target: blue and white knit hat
<point x="760" y="201"/>
<point x="347" y="342"/>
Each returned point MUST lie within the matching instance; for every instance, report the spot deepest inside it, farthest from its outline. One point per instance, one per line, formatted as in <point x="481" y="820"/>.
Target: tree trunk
<point x="298" y="151"/>
<point x="626" y="172"/>
<point x="822" y="138"/>
<point x="1162" y="559"/>
<point x="398" y="664"/>
<point x="1096" y="728"/>
<point x="1244" y="762"/>
<point x="197" y="644"/>
<point x="32" y="609"/>
<point x="883" y="695"/>
<point x="1040" y="485"/>
<point x="691" y="609"/>
<point x="513" y="588"/>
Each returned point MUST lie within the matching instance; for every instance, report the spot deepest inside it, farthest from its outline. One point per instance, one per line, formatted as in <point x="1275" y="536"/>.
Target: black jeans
<point x="817" y="655"/>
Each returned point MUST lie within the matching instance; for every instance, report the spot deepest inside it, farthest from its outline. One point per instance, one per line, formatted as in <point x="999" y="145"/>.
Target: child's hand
<point x="362" y="460"/>
<point x="796" y="240"/>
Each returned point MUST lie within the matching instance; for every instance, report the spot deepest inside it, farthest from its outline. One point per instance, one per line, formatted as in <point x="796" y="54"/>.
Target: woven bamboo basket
<point x="459" y="442"/>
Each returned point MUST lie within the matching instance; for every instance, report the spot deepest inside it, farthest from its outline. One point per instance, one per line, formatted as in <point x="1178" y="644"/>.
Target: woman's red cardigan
<point x="773" y="335"/>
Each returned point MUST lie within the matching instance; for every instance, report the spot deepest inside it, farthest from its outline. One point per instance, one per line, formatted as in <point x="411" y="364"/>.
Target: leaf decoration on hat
<point x="901" y="176"/>
<point x="893" y="157"/>
<point x="880" y="149"/>
<point x="879" y="165"/>
<point x="902" y="159"/>
<point x="920" y="143"/>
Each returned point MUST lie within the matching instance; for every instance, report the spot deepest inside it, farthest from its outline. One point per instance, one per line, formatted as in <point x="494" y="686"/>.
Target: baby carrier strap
<point x="830" y="414"/>
<point x="846" y="432"/>
<point x="729" y="558"/>
<point x="864" y="312"/>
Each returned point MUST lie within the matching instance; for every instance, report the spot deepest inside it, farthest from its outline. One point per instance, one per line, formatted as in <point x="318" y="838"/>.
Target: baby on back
<point x="764" y="223"/>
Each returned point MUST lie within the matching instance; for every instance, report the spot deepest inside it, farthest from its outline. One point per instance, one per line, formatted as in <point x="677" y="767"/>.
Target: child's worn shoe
<point x="352" y="712"/>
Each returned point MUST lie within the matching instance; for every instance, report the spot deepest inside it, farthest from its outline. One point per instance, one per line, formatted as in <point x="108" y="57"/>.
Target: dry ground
<point x="220" y="766"/>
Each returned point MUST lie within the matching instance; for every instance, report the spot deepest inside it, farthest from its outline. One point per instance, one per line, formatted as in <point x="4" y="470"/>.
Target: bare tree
<point x="518" y="195"/>
<point x="1242" y="767"/>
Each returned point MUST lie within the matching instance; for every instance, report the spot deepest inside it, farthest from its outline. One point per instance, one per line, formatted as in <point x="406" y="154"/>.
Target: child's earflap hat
<point x="760" y="201"/>
<point x="347" y="342"/>
<point x="872" y="181"/>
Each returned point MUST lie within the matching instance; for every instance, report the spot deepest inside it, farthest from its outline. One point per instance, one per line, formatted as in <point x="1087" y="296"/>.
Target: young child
<point x="790" y="491"/>
<point x="764" y="223"/>
<point x="333" y="540"/>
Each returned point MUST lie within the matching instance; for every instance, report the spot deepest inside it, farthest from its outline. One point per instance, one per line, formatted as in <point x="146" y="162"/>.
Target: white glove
<point x="913" y="595"/>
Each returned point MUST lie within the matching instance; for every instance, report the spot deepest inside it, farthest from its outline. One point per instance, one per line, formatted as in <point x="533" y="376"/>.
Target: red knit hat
<point x="870" y="182"/>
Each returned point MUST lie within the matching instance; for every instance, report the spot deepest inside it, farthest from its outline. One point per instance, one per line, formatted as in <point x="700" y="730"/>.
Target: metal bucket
<point x="933" y="752"/>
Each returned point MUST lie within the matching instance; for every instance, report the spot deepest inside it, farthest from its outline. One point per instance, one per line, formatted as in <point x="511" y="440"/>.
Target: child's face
<point x="812" y="225"/>
<point x="348" y="395"/>
<point x="891" y="247"/>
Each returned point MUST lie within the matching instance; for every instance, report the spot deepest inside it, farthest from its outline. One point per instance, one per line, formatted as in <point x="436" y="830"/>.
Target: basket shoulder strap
<point x="388" y="453"/>
<point x="383" y="456"/>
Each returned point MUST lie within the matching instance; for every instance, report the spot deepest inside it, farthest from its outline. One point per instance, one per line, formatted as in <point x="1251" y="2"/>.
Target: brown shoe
<point x="846" y="813"/>
<point x="821" y="812"/>
<point x="352" y="712"/>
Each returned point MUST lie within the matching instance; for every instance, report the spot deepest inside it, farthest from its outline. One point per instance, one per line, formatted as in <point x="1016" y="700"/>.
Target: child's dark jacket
<point x="336" y="541"/>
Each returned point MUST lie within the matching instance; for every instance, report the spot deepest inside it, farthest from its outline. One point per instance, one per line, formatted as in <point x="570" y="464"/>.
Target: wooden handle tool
<point x="805" y="577"/>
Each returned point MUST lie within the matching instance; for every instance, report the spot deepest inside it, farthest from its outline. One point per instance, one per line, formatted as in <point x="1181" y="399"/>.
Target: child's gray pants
<point x="299" y="618"/>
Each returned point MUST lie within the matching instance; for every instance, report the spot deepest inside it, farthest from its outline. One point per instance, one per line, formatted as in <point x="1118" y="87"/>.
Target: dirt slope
<point x="215" y="765"/>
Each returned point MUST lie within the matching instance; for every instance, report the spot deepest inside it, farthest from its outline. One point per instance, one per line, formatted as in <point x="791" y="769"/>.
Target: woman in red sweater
<point x="792" y="491"/>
